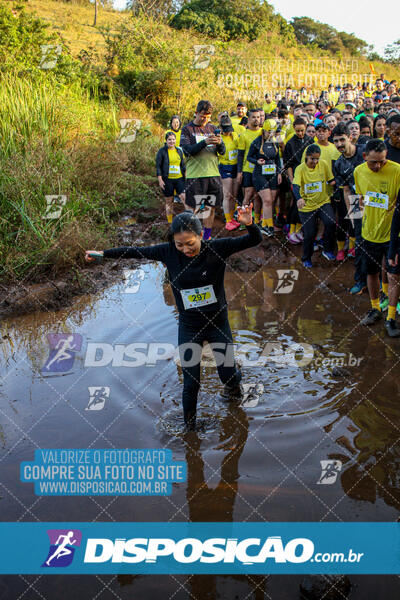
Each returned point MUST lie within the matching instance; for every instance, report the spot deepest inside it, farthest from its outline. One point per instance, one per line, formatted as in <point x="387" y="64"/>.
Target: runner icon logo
<point x="330" y="471"/>
<point x="129" y="127"/>
<point x="63" y="347"/>
<point x="251" y="395"/>
<point x="50" y="54"/>
<point x="133" y="277"/>
<point x="63" y="543"/>
<point x="54" y="206"/>
<point x="98" y="397"/>
<point x="202" y="55"/>
<point x="287" y="279"/>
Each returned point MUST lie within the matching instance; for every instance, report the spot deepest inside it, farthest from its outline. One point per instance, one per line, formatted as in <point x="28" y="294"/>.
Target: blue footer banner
<point x="191" y="548"/>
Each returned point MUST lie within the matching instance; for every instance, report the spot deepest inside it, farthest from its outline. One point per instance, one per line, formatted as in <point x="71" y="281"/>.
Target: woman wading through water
<point x="196" y="274"/>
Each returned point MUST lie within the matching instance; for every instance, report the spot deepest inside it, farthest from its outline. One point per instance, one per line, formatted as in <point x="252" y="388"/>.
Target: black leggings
<point x="216" y="330"/>
<point x="309" y="222"/>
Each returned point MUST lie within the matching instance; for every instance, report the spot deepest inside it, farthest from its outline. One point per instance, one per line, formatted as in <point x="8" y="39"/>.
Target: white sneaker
<point x="293" y="239"/>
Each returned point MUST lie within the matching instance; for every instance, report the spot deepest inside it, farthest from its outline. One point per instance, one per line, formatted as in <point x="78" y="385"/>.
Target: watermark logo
<point x="63" y="543"/>
<point x="129" y="129"/>
<point x="63" y="347"/>
<point x="330" y="469"/>
<point x="252" y="393"/>
<point x="50" y="55"/>
<point x="133" y="279"/>
<point x="97" y="397"/>
<point x="287" y="279"/>
<point x="356" y="208"/>
<point x="202" y="55"/>
<point x="204" y="203"/>
<point x="338" y="361"/>
<point x="54" y="206"/>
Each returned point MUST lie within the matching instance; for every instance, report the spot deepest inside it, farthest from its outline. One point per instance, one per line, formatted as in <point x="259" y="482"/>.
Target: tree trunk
<point x="95" y="13"/>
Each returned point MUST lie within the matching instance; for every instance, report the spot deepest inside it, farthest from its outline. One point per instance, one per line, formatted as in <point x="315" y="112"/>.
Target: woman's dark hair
<point x="170" y="122"/>
<point x="168" y="134"/>
<point x="185" y="221"/>
<point x="313" y="149"/>
<point x="377" y="118"/>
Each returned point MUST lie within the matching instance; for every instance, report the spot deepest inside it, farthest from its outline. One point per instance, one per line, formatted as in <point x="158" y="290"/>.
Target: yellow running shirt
<point x="380" y="192"/>
<point x="313" y="186"/>
<point x="268" y="107"/>
<point x="231" y="142"/>
<point x="245" y="141"/>
<point x="328" y="153"/>
<point x="239" y="129"/>
<point x="174" y="164"/>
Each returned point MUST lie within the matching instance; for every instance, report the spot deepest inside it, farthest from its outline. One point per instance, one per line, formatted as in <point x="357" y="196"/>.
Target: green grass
<point x="58" y="141"/>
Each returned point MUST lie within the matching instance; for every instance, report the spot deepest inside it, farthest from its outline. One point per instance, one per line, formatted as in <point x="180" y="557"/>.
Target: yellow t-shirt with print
<point x="174" y="164"/>
<point x="245" y="142"/>
<point x="313" y="184"/>
<point x="329" y="153"/>
<point x="231" y="141"/>
<point x="268" y="107"/>
<point x="239" y="129"/>
<point x="235" y="120"/>
<point x="380" y="191"/>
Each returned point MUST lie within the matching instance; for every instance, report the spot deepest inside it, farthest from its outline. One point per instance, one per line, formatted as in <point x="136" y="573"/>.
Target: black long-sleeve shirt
<point x="206" y="268"/>
<point x="271" y="155"/>
<point x="395" y="230"/>
<point x="293" y="151"/>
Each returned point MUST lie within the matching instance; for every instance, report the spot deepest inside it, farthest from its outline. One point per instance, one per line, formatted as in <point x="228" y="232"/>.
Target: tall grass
<point x="58" y="141"/>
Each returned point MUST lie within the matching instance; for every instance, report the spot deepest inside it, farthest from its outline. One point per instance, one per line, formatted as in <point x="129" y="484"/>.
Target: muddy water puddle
<point x="319" y="387"/>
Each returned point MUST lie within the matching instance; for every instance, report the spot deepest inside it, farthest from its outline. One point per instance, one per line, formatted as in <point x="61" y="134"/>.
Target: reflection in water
<point x="217" y="503"/>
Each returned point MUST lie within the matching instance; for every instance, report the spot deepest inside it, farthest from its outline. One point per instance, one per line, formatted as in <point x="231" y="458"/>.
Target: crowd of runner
<point x="322" y="172"/>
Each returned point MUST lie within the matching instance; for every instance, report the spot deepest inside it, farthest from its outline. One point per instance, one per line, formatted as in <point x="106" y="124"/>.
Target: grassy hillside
<point x="160" y="59"/>
<point x="60" y="127"/>
<point x="75" y="23"/>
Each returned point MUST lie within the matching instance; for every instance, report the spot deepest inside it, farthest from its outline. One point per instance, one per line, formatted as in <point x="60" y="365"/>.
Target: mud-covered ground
<point x="49" y="293"/>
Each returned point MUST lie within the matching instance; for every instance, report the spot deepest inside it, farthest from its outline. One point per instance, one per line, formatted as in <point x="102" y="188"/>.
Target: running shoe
<point x="177" y="200"/>
<point x="230" y="392"/>
<point x="230" y="226"/>
<point x="267" y="231"/>
<point x="299" y="235"/>
<point x="236" y="223"/>
<point x="392" y="328"/>
<point x="340" y="256"/>
<point x="328" y="255"/>
<point x="293" y="239"/>
<point x="307" y="264"/>
<point x="320" y="242"/>
<point x="358" y="289"/>
<point x="351" y="253"/>
<point x="372" y="316"/>
<point x="383" y="301"/>
<point x="280" y="221"/>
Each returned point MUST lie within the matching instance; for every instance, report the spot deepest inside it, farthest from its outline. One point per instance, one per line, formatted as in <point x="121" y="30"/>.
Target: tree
<point x="326" y="37"/>
<point x="392" y="53"/>
<point x="228" y="20"/>
<point x="154" y="8"/>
